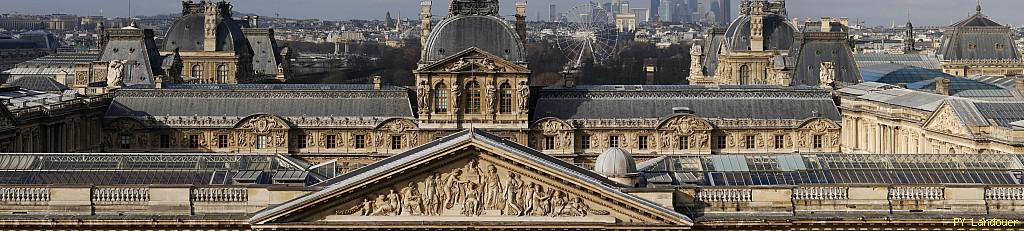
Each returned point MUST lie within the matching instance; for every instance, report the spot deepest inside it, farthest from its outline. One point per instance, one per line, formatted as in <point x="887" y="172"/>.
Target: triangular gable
<point x="474" y="59"/>
<point x="468" y="175"/>
<point x="946" y="120"/>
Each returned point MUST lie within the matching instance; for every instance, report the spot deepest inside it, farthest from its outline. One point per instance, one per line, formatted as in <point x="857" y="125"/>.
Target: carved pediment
<point x="397" y="126"/>
<point x="470" y="178"/>
<point x="551" y="126"/>
<point x="474" y="60"/>
<point x="820" y="125"/>
<point x="685" y="125"/>
<point x="261" y="124"/>
<point x="946" y="121"/>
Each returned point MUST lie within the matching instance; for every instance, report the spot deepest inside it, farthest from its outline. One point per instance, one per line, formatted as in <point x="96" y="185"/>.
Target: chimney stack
<point x="845" y="21"/>
<point x="376" y="82"/>
<point x="425" y="8"/>
<point x="942" y="86"/>
<point x="569" y="76"/>
<point x="826" y="24"/>
<point x="255" y="21"/>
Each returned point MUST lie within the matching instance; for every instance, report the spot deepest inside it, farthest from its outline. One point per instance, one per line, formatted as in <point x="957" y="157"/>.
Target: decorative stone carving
<point x="423" y="96"/>
<point x="724" y="195"/>
<point x="490" y="96"/>
<point x="523" y="91"/>
<point x="696" y="51"/>
<point x="916" y="193"/>
<point x="552" y="127"/>
<point x="115" y="73"/>
<point x="819" y="126"/>
<point x="472" y="191"/>
<point x="456" y="98"/>
<point x="685" y="125"/>
<point x="262" y="124"/>
<point x="483" y="64"/>
<point x="827" y="75"/>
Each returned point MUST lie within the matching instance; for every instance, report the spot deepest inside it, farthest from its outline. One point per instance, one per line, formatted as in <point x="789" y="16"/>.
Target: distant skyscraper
<point x="553" y="10"/>
<point x="726" y="14"/>
<point x="654" y="9"/>
<point x="665" y="11"/>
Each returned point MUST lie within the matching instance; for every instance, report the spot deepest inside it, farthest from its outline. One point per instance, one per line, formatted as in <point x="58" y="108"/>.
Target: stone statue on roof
<point x="115" y="73"/>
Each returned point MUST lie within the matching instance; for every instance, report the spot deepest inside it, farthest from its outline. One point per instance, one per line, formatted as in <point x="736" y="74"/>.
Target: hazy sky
<point x="874" y="12"/>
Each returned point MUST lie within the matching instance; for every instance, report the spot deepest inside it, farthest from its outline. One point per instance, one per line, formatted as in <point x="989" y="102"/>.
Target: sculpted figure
<point x="557" y="204"/>
<point x="492" y="188"/>
<point x="115" y="73"/>
<point x="383" y="208"/>
<point x="423" y="94"/>
<point x="471" y="206"/>
<point x="512" y="191"/>
<point x="527" y="200"/>
<point x="456" y="96"/>
<point x="394" y="203"/>
<point x="577" y="207"/>
<point x="413" y="204"/>
<point x="540" y="201"/>
<point x="366" y="207"/>
<point x="491" y="90"/>
<point x="431" y="203"/>
<point x="524" y="97"/>
<point x="452" y="187"/>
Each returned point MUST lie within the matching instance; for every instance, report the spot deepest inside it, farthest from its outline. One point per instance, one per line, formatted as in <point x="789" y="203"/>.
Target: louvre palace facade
<point x="757" y="142"/>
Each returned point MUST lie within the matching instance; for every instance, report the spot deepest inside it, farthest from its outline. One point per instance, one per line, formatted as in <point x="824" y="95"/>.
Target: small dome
<point x="779" y="33"/>
<point x="187" y="34"/>
<point x="615" y="162"/>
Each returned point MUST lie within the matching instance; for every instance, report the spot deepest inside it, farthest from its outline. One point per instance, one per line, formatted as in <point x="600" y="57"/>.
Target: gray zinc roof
<point x="489" y="33"/>
<point x="727" y="102"/>
<point x="274" y="99"/>
<point x="814" y="51"/>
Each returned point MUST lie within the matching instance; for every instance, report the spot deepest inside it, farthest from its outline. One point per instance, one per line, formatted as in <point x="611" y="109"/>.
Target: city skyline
<point x="935" y="13"/>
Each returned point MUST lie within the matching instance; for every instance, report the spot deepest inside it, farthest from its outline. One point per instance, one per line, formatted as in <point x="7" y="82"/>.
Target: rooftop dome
<point x="615" y="162"/>
<point x="779" y="33"/>
<point x="187" y="34"/>
<point x="488" y="33"/>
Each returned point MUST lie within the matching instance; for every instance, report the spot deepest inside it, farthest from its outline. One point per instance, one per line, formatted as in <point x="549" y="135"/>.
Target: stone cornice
<point x="296" y="94"/>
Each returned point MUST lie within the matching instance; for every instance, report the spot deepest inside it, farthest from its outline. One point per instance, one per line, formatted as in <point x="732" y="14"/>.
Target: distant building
<point x="763" y="46"/>
<point x="979" y="46"/>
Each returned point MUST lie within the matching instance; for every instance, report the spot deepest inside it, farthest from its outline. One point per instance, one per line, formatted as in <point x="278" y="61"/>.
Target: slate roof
<point x="321" y="100"/>
<point x="779" y="33"/>
<point x="645" y="101"/>
<point x="489" y="33"/>
<point x="187" y="34"/>
<point x="978" y="38"/>
<point x="712" y="47"/>
<point x="37" y="82"/>
<point x="139" y="48"/>
<point x="893" y="95"/>
<point x="821" y="47"/>
<point x="833" y="168"/>
<point x="387" y="166"/>
<point x="978" y="113"/>
<point x="266" y="53"/>
<point x="917" y="60"/>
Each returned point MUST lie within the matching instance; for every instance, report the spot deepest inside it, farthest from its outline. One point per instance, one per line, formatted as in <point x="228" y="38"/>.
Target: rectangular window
<point x="720" y="142"/>
<point x="193" y="141"/>
<point x="222" y="141"/>
<point x="684" y="142"/>
<point x="549" y="142"/>
<point x="817" y="141"/>
<point x="126" y="142"/>
<point x="261" y="142"/>
<point x="613" y="141"/>
<point x="165" y="141"/>
<point x="332" y="141"/>
<point x="360" y="141"/>
<point x="641" y="142"/>
<point x="301" y="142"/>
<point x="780" y="141"/>
<point x="396" y="142"/>
<point x="585" y="142"/>
<point x="749" y="142"/>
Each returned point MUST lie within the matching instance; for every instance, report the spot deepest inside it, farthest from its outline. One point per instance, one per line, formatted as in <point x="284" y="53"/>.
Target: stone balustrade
<point x="916" y="193"/>
<point x="724" y="195"/>
<point x="24" y="194"/>
<point x="1005" y="193"/>
<point x="821" y="193"/>
<point x="141" y="200"/>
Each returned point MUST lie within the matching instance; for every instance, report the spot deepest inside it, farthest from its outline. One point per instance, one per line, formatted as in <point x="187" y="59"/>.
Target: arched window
<point x="197" y="71"/>
<point x="440" y="98"/>
<point x="472" y="97"/>
<point x="505" y="98"/>
<point x="744" y="75"/>
<point x="222" y="73"/>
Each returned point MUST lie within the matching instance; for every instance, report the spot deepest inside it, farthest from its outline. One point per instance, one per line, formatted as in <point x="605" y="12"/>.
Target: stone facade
<point x="51" y="124"/>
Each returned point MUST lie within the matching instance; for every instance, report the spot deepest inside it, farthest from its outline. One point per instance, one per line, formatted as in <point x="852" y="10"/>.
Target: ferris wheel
<point x="588" y="35"/>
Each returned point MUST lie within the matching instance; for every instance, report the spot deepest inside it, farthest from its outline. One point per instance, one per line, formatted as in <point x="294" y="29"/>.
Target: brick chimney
<point x="424" y="23"/>
<point x="376" y="82"/>
<point x="845" y="21"/>
<point x="942" y="86"/>
<point x="521" y="20"/>
<point x="826" y="24"/>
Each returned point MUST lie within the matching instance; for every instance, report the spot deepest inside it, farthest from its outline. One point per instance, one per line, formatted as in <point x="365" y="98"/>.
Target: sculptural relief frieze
<point x="474" y="189"/>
